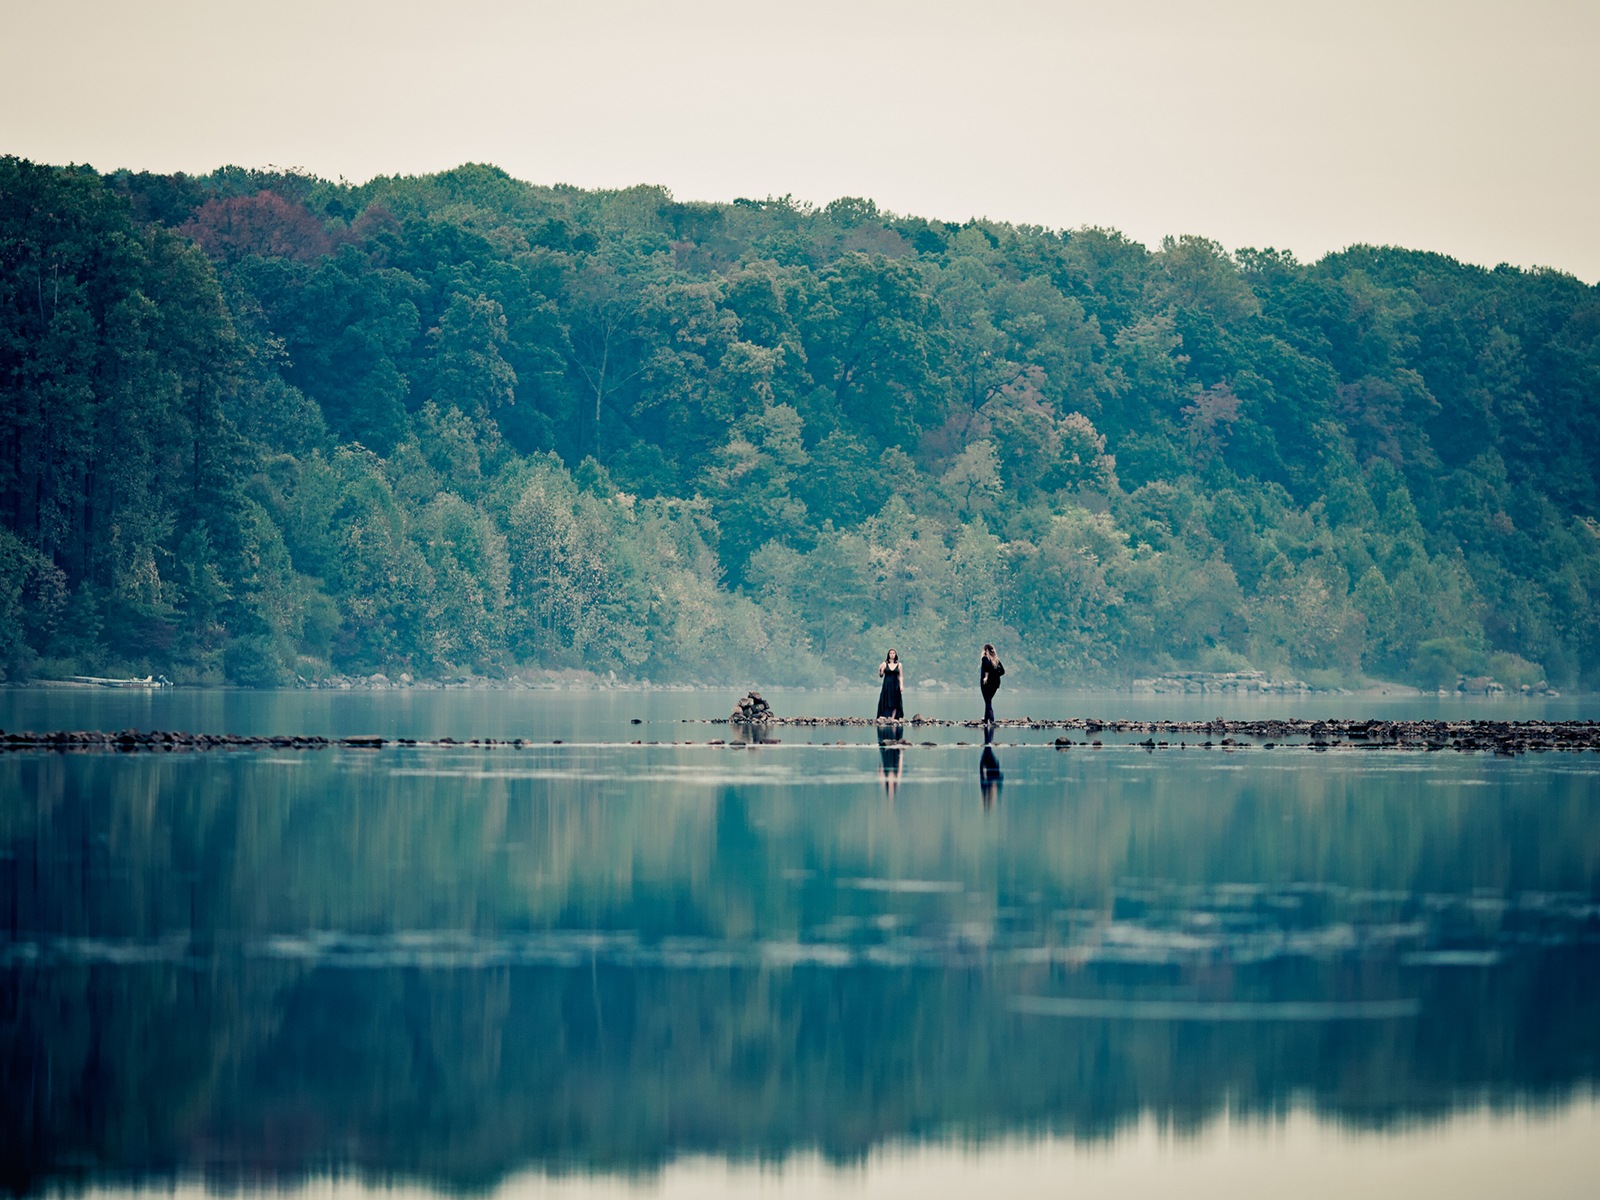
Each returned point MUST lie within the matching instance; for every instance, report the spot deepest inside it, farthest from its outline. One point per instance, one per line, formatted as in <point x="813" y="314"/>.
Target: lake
<point x="823" y="966"/>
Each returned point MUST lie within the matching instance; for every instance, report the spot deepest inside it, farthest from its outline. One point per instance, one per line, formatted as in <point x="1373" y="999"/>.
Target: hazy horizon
<point x="1454" y="128"/>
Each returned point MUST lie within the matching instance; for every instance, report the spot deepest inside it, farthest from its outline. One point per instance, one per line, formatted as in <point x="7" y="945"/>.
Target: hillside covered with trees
<point x="256" y="426"/>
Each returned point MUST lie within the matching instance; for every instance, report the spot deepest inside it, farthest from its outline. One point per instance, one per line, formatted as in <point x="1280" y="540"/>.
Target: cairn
<point x="750" y="709"/>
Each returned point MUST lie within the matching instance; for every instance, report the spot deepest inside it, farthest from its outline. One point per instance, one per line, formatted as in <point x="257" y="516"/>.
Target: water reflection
<point x="453" y="966"/>
<point x="989" y="777"/>
<point x="891" y="756"/>
<point x="1478" y="1155"/>
<point x="754" y="734"/>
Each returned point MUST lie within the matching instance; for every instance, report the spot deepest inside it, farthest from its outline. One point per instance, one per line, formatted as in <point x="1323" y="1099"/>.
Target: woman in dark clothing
<point x="890" y="704"/>
<point x="990" y="668"/>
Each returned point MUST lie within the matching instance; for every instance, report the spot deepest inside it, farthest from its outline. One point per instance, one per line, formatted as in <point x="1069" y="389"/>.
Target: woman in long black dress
<point x="890" y="704"/>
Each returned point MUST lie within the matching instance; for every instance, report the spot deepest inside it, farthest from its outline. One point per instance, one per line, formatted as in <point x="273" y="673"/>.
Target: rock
<point x="750" y="708"/>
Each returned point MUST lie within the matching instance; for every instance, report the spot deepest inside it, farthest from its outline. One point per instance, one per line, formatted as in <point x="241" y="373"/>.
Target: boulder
<point x="751" y="707"/>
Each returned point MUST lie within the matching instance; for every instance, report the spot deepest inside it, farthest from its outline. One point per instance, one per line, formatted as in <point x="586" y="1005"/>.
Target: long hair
<point x="892" y="655"/>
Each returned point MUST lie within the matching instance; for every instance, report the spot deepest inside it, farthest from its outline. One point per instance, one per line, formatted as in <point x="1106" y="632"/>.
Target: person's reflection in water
<point x="989" y="776"/>
<point x="891" y="752"/>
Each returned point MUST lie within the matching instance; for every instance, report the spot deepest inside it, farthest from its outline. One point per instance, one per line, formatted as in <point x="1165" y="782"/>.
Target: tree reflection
<point x="450" y="966"/>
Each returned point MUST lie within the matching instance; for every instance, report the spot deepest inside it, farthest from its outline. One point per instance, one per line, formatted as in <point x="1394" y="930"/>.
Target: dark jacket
<point x="989" y="675"/>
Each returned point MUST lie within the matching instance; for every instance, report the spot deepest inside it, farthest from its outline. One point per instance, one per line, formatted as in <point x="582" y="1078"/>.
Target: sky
<point x="1468" y="127"/>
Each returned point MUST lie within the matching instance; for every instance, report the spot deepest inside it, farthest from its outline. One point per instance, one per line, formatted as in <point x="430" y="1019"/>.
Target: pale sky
<point x="1470" y="127"/>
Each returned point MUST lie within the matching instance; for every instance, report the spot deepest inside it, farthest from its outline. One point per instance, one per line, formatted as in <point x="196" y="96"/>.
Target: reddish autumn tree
<point x="264" y="224"/>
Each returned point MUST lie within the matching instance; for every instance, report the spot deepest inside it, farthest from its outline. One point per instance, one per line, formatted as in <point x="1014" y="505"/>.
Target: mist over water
<point x="600" y="965"/>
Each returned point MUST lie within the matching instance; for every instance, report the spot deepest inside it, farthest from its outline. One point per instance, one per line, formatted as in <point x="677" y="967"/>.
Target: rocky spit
<point x="1501" y="737"/>
<point x="1508" y="738"/>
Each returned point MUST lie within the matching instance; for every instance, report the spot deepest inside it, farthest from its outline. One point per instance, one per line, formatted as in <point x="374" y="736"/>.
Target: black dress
<point x="889" y="702"/>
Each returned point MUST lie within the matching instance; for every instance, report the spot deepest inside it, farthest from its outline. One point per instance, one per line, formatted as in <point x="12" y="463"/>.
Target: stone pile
<point x="751" y="708"/>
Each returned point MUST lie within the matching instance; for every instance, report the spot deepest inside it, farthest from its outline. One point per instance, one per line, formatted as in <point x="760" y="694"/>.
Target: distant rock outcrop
<point x="1192" y="682"/>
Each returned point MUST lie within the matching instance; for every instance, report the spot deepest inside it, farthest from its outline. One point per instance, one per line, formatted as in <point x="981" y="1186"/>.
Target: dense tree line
<point x="259" y="425"/>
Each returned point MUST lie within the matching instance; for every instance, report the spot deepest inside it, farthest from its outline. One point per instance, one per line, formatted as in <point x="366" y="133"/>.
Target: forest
<point x="256" y="426"/>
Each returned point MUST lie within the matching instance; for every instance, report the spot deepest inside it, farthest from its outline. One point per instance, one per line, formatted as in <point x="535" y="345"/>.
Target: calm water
<point x="605" y="714"/>
<point x="806" y="968"/>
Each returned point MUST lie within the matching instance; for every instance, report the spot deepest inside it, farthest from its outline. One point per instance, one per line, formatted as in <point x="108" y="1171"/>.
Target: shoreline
<point x="1390" y="691"/>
